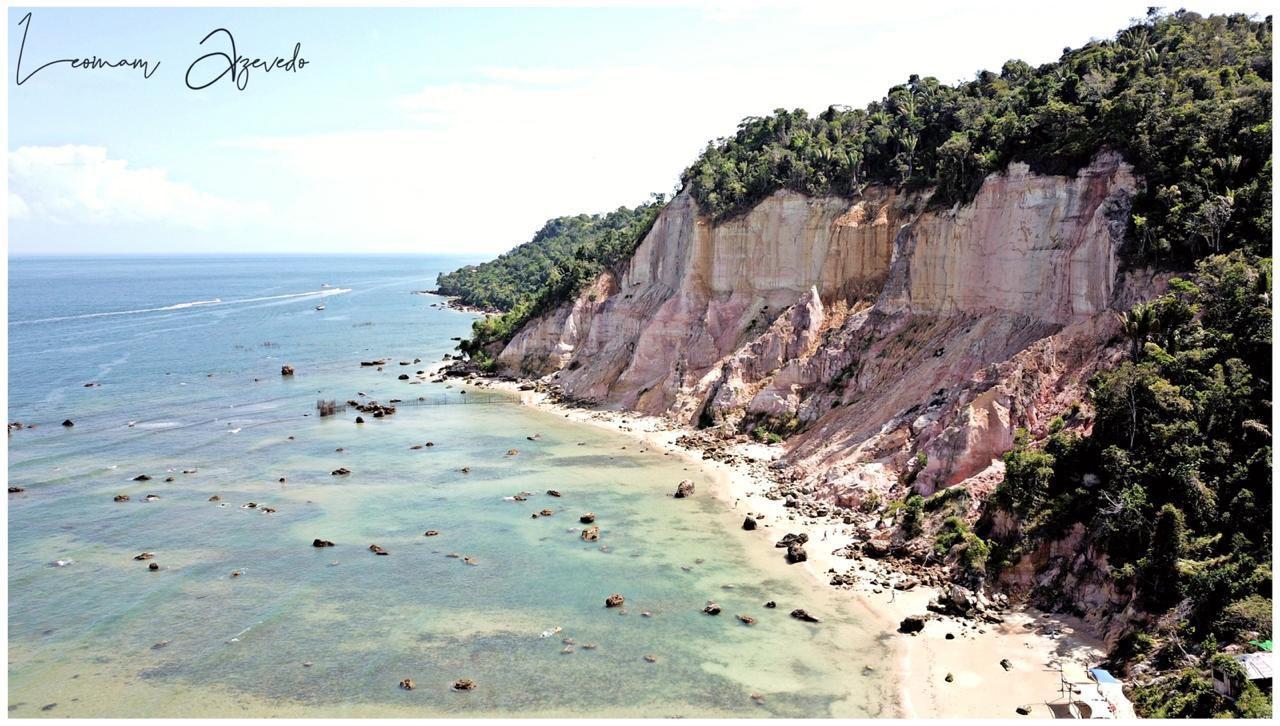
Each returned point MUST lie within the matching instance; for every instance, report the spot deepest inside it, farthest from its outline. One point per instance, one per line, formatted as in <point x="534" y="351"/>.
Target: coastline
<point x="968" y="652"/>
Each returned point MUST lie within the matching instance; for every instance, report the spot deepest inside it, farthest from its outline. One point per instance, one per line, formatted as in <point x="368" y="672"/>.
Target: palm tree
<point x="1138" y="324"/>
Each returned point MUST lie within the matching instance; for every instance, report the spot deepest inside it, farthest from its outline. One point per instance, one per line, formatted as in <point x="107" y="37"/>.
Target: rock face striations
<point x="877" y="329"/>
<point x="894" y="346"/>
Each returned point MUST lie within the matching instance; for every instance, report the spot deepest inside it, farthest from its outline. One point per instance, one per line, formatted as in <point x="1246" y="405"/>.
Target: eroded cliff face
<point x="896" y="347"/>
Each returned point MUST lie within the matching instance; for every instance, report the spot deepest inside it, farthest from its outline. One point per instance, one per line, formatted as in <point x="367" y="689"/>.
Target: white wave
<point x="192" y="304"/>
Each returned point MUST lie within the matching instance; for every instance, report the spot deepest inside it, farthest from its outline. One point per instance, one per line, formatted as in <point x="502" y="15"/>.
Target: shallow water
<point x="84" y="636"/>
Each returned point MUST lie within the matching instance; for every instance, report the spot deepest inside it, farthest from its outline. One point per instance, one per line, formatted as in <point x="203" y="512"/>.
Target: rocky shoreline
<point x="960" y="651"/>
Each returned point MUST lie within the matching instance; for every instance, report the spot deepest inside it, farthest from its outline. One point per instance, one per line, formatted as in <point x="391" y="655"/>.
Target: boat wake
<point x="326" y="292"/>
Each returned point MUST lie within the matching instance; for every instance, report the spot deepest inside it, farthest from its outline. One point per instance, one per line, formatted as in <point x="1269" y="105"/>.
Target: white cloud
<point x="83" y="185"/>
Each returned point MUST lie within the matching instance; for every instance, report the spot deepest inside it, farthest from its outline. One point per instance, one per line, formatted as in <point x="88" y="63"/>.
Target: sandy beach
<point x="966" y="652"/>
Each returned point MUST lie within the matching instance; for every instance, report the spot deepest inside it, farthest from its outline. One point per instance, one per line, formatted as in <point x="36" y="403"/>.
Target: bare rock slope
<point x="874" y="330"/>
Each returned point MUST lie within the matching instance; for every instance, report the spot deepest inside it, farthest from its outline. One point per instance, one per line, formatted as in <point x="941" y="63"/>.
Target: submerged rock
<point x="68" y="423"/>
<point x="142" y="477"/>
<point x="800" y="614"/>
<point x="684" y="489"/>
<point x="340" y="471"/>
<point x="153" y="567"/>
<point x="145" y="556"/>
<point x="15" y="490"/>
<point x="591" y="534"/>
<point x="746" y="620"/>
<point x="464" y="684"/>
<point x="407" y="684"/>
<point x="711" y="609"/>
<point x="286" y="370"/>
<point x="553" y="493"/>
<point x="122" y="498"/>
<point x="614" y="601"/>
<point x="587" y="518"/>
<point x="321" y="543"/>
<point x="771" y="604"/>
<point x="430" y="533"/>
<point x="377" y="550"/>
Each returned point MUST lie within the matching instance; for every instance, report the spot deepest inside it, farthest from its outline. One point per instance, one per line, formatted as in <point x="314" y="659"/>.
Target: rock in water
<point x="553" y="493"/>
<point x="359" y="419"/>
<point x="911" y="624"/>
<point x="430" y="533"/>
<point x="587" y="518"/>
<point x="771" y="604"/>
<point x="16" y="490"/>
<point x="614" y="601"/>
<point x="68" y="423"/>
<point x="407" y="684"/>
<point x="711" y="609"/>
<point x="122" y="497"/>
<point x="749" y="523"/>
<point x="464" y="684"/>
<point x="747" y="620"/>
<point x="321" y="543"/>
<point x="1005" y="664"/>
<point x="153" y="567"/>
<point x="800" y="614"/>
<point x="340" y="471"/>
<point x="145" y="556"/>
<point x="796" y="553"/>
<point x="377" y="550"/>
<point x="286" y="370"/>
<point x="591" y="534"/>
<point x="684" y="489"/>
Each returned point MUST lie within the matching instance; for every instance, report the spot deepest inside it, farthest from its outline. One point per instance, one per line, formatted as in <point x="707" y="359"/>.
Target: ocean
<point x="171" y="368"/>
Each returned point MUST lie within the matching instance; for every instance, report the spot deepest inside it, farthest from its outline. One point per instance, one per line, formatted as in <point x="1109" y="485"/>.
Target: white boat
<point x="319" y="307"/>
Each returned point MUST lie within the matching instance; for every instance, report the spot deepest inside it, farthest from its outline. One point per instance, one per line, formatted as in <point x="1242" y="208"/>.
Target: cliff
<point x="894" y="345"/>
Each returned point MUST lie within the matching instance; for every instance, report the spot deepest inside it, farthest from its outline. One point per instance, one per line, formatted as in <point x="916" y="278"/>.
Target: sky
<point x="444" y="130"/>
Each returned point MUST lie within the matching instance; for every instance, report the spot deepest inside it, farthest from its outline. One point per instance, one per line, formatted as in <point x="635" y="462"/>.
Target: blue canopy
<point x="1102" y="676"/>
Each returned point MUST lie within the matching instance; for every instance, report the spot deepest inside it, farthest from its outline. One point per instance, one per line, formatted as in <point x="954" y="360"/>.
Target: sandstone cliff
<point x="897" y="346"/>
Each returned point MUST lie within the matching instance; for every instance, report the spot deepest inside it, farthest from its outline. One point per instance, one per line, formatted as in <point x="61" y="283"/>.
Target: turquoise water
<point x="198" y="387"/>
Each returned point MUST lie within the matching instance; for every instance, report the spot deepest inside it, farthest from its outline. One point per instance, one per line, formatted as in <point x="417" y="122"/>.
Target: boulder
<point x="122" y="497"/>
<point x="911" y="624"/>
<point x="749" y="523"/>
<point x="684" y="489"/>
<point x="591" y="534"/>
<point x="796" y="553"/>
<point x="430" y="533"/>
<point x="746" y="620"/>
<point x="800" y="614"/>
<point x="790" y="539"/>
<point x="15" y="490"/>
<point x="153" y="567"/>
<point x="546" y="512"/>
<point x="771" y="604"/>
<point x="377" y="550"/>
<point x="614" y="601"/>
<point x="68" y="423"/>
<point x="142" y="477"/>
<point x="340" y="471"/>
<point x="711" y="609"/>
<point x="321" y="543"/>
<point x="286" y="370"/>
<point x="587" y="518"/>
<point x="403" y="376"/>
<point x="359" y="419"/>
<point x="464" y="684"/>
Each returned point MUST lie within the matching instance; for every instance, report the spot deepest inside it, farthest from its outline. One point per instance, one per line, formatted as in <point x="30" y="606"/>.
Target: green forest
<point x="563" y="257"/>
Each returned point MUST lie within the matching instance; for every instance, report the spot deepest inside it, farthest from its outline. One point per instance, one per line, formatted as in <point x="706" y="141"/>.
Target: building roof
<point x="1257" y="666"/>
